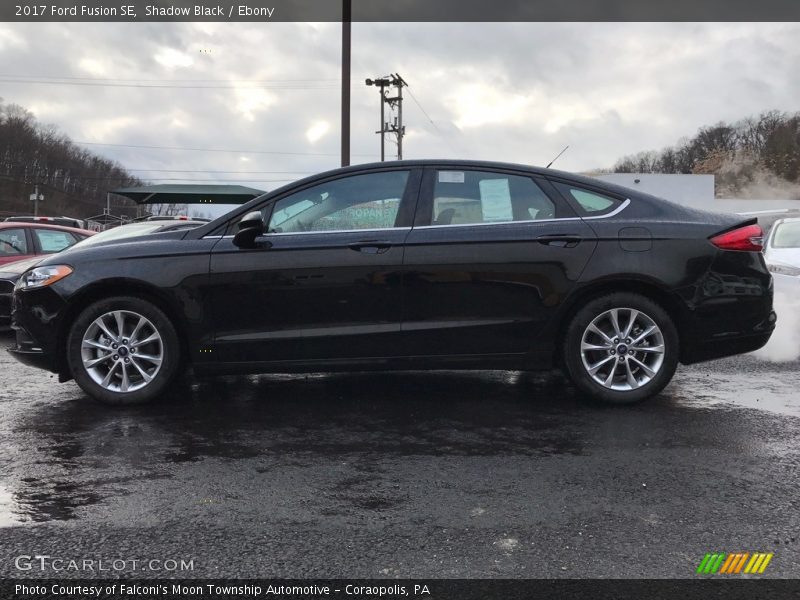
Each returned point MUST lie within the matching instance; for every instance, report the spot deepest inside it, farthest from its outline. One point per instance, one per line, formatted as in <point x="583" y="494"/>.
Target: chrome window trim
<point x="222" y="237"/>
<point x="337" y="231"/>
<point x="497" y="223"/>
<point x="614" y="212"/>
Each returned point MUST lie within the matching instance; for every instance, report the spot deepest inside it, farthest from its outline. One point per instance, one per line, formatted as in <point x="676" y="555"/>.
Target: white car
<point x="782" y="252"/>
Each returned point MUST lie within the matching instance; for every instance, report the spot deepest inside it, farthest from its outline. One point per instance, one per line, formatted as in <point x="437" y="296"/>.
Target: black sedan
<point x="408" y="265"/>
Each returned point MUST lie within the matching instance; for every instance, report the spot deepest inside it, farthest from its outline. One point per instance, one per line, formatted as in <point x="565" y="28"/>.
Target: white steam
<point x="784" y="345"/>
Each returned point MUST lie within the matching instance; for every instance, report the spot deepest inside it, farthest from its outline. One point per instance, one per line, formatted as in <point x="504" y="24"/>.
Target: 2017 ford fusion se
<point x="408" y="265"/>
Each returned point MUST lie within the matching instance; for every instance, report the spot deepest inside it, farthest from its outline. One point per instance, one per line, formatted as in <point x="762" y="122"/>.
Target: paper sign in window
<point x="496" y="200"/>
<point x="451" y="176"/>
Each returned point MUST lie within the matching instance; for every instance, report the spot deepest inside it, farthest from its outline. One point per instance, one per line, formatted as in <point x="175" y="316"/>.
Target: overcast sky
<point x="515" y="92"/>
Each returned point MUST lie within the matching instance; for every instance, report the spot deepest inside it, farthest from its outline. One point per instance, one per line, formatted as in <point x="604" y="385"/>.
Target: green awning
<point x="189" y="194"/>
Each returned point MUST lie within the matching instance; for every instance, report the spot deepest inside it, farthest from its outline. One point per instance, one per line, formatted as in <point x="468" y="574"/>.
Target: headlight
<point x="42" y="276"/>
<point x="782" y="269"/>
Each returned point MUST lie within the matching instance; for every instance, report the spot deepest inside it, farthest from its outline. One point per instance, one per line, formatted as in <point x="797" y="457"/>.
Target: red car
<point x="23" y="240"/>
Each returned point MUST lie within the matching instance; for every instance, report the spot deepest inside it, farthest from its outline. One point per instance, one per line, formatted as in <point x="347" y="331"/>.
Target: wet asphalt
<point x="422" y="475"/>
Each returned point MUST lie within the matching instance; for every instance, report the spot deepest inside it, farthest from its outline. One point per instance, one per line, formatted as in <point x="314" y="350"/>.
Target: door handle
<point x="370" y="246"/>
<point x="559" y="240"/>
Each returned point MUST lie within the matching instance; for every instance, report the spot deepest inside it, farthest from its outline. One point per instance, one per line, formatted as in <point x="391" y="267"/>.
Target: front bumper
<point x="34" y="358"/>
<point x="36" y="317"/>
<point x="6" y="289"/>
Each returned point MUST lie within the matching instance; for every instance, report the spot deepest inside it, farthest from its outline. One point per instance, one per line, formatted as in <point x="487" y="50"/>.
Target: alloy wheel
<point x="122" y="351"/>
<point x="622" y="349"/>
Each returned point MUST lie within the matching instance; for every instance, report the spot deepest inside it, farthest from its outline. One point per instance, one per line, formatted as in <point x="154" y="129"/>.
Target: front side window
<point x="12" y="242"/>
<point x="591" y="202"/>
<point x="476" y="197"/>
<point x="369" y="201"/>
<point x="51" y="240"/>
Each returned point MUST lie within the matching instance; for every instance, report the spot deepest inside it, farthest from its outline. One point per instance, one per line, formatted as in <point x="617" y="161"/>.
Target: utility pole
<point x="396" y="127"/>
<point x="347" y="9"/>
<point x="36" y="197"/>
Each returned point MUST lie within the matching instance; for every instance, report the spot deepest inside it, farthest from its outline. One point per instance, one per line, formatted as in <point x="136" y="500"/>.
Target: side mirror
<point x="250" y="227"/>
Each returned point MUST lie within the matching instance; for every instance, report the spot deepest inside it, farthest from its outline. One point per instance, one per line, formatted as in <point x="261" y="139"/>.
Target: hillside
<point x="73" y="180"/>
<point x="757" y="157"/>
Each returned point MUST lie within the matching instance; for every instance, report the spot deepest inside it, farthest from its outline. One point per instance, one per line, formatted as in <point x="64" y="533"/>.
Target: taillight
<point x="749" y="238"/>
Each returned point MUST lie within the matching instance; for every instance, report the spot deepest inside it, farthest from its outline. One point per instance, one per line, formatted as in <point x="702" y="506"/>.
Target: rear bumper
<point x="729" y="310"/>
<point x="728" y="346"/>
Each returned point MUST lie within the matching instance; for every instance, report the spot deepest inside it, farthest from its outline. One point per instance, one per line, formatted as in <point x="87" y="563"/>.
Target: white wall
<point x="691" y="190"/>
<point x="696" y="191"/>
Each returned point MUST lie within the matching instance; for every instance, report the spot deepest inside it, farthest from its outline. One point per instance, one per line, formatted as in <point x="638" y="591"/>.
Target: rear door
<point x="491" y="256"/>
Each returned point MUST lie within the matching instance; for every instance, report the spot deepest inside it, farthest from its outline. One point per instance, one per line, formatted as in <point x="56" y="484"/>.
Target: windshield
<point x="121" y="232"/>
<point x="787" y="235"/>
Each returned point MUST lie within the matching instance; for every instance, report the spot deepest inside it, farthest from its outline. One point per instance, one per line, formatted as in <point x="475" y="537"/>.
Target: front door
<point x="327" y="283"/>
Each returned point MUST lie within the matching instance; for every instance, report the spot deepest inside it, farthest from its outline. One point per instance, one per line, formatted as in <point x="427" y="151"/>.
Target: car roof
<point x="787" y="220"/>
<point x="471" y="163"/>
<point x="582" y="180"/>
<point x="39" y="225"/>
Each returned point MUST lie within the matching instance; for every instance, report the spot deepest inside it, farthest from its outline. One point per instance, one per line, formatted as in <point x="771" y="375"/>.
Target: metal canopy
<point x="189" y="194"/>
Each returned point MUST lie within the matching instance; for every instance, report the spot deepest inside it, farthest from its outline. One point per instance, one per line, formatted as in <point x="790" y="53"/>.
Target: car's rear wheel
<point x="621" y="348"/>
<point x="123" y="350"/>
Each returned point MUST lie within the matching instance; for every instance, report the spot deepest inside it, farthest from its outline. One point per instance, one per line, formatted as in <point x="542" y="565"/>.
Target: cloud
<point x="93" y="66"/>
<point x="170" y="58"/>
<point x="506" y="91"/>
<point x="317" y="130"/>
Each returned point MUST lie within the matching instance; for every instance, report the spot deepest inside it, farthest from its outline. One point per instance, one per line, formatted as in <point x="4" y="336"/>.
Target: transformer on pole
<point x="395" y="127"/>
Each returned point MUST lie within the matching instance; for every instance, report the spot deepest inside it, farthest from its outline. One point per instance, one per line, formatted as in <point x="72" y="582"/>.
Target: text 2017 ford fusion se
<point x="408" y="265"/>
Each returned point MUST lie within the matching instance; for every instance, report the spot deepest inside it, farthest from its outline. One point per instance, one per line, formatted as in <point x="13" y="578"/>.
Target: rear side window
<point x="479" y="197"/>
<point x="51" y="240"/>
<point x="591" y="202"/>
<point x="12" y="242"/>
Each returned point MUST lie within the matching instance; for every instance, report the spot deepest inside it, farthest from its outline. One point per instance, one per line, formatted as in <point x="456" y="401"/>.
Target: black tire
<point x="162" y="374"/>
<point x="576" y="362"/>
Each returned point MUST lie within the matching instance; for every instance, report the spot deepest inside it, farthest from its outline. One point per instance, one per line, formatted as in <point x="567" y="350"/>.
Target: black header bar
<point x="400" y="10"/>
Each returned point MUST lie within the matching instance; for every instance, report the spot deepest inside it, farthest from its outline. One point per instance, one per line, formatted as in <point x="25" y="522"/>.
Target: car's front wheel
<point x="123" y="350"/>
<point x="621" y="348"/>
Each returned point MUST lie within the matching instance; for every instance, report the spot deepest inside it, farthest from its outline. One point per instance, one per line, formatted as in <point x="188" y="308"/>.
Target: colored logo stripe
<point x="758" y="563"/>
<point x="734" y="562"/>
<point x="724" y="563"/>
<point x="711" y="562"/>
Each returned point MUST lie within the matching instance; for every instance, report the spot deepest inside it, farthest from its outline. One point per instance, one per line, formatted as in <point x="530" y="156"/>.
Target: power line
<point x="435" y="126"/>
<point x="309" y="86"/>
<point x="224" y="172"/>
<point x="234" y="151"/>
<point x="59" y="77"/>
<point x="187" y="179"/>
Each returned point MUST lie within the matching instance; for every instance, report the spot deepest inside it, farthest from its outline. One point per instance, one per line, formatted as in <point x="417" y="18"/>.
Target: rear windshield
<point x="787" y="235"/>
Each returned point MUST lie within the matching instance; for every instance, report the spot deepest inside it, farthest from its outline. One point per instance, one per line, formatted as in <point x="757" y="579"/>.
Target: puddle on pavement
<point x="777" y="393"/>
<point x="9" y="513"/>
